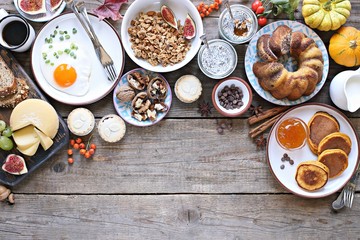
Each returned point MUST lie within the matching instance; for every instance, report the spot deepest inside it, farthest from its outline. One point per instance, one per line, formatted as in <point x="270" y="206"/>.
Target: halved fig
<point x="189" y="28"/>
<point x="32" y="7"/>
<point x="55" y="4"/>
<point x="15" y="165"/>
<point x="168" y="16"/>
<point x="136" y="81"/>
<point x="157" y="88"/>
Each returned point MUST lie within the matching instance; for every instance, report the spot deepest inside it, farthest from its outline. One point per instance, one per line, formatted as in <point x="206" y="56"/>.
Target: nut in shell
<point x="157" y="88"/>
<point x="125" y="93"/>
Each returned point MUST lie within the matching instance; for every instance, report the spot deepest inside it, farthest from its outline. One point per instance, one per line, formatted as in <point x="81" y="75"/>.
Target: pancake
<point x="336" y="140"/>
<point x="321" y="125"/>
<point x="312" y="175"/>
<point x="336" y="160"/>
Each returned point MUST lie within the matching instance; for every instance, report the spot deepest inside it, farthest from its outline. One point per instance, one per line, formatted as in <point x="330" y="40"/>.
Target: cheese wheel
<point x="35" y="112"/>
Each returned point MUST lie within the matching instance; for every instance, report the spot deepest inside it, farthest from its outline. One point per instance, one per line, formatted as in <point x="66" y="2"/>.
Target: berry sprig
<point x="78" y="144"/>
<point x="206" y="9"/>
<point x="263" y="8"/>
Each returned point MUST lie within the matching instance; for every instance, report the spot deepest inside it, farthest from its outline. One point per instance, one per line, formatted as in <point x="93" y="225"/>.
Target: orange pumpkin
<point x="344" y="47"/>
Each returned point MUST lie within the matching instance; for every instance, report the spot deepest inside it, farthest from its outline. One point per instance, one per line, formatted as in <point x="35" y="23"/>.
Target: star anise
<point x="261" y="142"/>
<point x="204" y="108"/>
<point x="256" y="110"/>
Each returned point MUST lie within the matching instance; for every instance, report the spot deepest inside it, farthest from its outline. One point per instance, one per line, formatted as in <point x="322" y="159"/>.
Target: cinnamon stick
<point x="266" y="114"/>
<point x="262" y="127"/>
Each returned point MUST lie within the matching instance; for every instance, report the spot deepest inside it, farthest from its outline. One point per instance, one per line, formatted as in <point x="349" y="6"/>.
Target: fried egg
<point x="66" y="67"/>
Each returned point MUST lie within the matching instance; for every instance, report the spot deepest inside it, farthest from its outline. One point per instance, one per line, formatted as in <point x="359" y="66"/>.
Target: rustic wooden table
<point x="178" y="179"/>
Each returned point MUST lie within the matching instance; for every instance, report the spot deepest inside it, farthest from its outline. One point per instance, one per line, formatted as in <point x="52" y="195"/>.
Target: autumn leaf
<point x="109" y="9"/>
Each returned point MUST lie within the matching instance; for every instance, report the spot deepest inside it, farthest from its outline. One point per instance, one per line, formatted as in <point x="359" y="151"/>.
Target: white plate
<point x="180" y="9"/>
<point x="99" y="85"/>
<point x="251" y="57"/>
<point x="41" y="17"/>
<point x="124" y="109"/>
<point x="286" y="176"/>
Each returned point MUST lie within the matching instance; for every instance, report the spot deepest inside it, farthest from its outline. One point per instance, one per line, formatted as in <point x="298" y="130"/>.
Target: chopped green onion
<point x="74" y="31"/>
<point x="61" y="38"/>
<point x="67" y="36"/>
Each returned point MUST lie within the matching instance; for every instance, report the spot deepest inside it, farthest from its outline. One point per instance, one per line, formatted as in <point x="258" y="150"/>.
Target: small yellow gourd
<point x="326" y="15"/>
<point x="344" y="47"/>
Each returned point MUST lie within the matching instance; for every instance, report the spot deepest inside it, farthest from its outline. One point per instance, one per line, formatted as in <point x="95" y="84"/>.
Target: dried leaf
<point x="110" y="9"/>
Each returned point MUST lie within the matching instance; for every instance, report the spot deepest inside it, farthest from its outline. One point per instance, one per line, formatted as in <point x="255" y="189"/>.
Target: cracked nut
<point x="157" y="88"/>
<point x="136" y="81"/>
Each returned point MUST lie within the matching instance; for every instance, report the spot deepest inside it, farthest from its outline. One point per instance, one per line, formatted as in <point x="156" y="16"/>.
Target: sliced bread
<point x="22" y="92"/>
<point x="7" y="80"/>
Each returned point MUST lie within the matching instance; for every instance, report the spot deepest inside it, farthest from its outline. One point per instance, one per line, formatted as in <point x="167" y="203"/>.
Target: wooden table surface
<point x="179" y="179"/>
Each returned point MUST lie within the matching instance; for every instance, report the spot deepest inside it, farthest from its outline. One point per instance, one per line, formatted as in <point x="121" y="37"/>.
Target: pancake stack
<point x="332" y="148"/>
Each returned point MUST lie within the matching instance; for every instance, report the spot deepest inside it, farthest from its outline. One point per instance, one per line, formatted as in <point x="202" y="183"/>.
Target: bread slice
<point x="7" y="80"/>
<point x="312" y="175"/>
<point x="21" y="94"/>
<point x="280" y="40"/>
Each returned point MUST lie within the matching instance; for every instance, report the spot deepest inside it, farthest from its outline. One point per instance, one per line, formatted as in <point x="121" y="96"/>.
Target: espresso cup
<point x="16" y="34"/>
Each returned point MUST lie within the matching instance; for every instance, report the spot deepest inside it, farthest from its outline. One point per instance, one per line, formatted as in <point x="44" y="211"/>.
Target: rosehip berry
<point x="78" y="140"/>
<point x="93" y="146"/>
<point x="70" y="160"/>
<point x="82" y="151"/>
<point x="260" y="10"/>
<point x="76" y="146"/>
<point x="81" y="145"/>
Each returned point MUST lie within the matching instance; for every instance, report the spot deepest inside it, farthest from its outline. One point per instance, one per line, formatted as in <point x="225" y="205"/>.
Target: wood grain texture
<point x="189" y="157"/>
<point x="184" y="217"/>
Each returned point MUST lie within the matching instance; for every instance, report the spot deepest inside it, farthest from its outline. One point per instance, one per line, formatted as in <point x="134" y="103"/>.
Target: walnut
<point x="149" y="33"/>
<point x="136" y="81"/>
<point x="157" y="88"/>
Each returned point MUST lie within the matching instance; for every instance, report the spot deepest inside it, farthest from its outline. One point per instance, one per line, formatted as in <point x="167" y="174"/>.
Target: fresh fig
<point x="189" y="28"/>
<point x="15" y="165"/>
<point x="168" y="15"/>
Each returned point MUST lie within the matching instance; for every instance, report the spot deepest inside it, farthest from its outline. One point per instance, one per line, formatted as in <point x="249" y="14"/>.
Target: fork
<point x="350" y="188"/>
<point x="80" y="11"/>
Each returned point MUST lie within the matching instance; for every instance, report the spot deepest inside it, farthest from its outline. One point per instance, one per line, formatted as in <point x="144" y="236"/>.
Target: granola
<point x="156" y="41"/>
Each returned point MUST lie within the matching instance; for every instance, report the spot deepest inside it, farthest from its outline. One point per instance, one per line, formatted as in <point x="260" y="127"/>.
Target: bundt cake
<point x="274" y="77"/>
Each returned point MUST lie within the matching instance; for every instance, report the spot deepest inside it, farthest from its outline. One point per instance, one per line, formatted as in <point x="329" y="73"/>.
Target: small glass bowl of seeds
<point x="232" y="97"/>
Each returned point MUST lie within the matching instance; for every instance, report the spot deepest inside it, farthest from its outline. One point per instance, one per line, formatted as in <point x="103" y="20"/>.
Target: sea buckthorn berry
<point x="72" y="142"/>
<point x="76" y="146"/>
<point x="93" y="146"/>
<point x="82" y="151"/>
<point x="91" y="151"/>
<point x="87" y="155"/>
<point x="70" y="160"/>
<point x="78" y="140"/>
<point x="69" y="152"/>
<point x="81" y="145"/>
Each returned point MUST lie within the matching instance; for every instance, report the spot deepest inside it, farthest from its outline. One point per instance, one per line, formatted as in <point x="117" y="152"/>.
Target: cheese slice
<point x="45" y="141"/>
<point x="30" y="151"/>
<point x="25" y="137"/>
<point x="35" y="112"/>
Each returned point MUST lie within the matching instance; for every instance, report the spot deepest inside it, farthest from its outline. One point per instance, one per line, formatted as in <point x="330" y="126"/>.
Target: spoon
<point x="205" y="41"/>
<point x="339" y="202"/>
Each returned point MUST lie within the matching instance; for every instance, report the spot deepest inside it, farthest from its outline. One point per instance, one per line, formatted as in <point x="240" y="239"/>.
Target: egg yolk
<point x="65" y="75"/>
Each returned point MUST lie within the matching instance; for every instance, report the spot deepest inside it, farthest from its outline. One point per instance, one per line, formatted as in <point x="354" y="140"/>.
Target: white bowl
<point x="247" y="96"/>
<point x="180" y="9"/>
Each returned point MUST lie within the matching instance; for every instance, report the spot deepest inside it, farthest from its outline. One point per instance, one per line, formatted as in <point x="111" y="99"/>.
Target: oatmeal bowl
<point x="161" y="36"/>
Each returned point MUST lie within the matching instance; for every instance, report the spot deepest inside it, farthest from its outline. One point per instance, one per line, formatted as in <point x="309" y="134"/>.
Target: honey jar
<point x="291" y="133"/>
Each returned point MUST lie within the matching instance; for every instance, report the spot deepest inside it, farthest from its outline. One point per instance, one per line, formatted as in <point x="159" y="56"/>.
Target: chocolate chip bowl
<point x="232" y="97"/>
